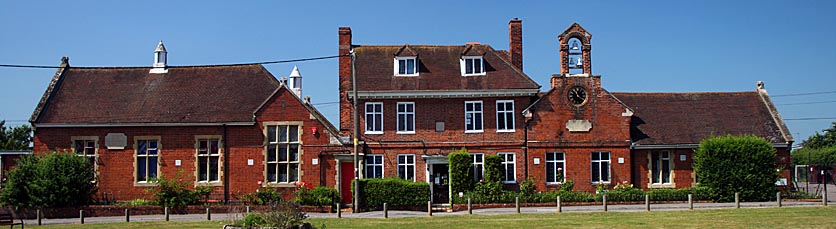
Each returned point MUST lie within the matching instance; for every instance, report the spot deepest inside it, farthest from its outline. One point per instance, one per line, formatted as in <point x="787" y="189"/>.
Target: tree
<point x="52" y="180"/>
<point x="819" y="149"/>
<point x="742" y="164"/>
<point x="822" y="140"/>
<point x="17" y="138"/>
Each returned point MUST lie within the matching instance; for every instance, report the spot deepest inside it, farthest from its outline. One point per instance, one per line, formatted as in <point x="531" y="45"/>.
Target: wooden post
<point x="778" y="197"/>
<point x="690" y="202"/>
<point x="605" y="201"/>
<point x="166" y="214"/>
<point x="81" y="215"/>
<point x="469" y="207"/>
<point x="518" y="204"/>
<point x="647" y="202"/>
<point x="736" y="200"/>
<point x="39" y="216"/>
<point x="429" y="208"/>
<point x="559" y="205"/>
<point x="248" y="209"/>
<point x="339" y="211"/>
<point x="127" y="215"/>
<point x="385" y="211"/>
<point x="208" y="214"/>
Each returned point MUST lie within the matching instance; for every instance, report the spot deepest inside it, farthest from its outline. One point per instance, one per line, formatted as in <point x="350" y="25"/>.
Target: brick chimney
<point x="515" y="46"/>
<point x="345" y="79"/>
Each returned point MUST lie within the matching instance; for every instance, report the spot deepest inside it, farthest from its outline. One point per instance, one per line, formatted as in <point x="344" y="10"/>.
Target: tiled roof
<point x="687" y="118"/>
<point x="439" y="69"/>
<point x="200" y="94"/>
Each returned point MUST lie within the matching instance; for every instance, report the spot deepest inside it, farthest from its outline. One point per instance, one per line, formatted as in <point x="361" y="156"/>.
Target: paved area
<point x="818" y="189"/>
<point x="399" y="214"/>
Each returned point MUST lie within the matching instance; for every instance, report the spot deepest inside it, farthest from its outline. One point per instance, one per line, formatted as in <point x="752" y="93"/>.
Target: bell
<point x="580" y="62"/>
<point x="574" y="45"/>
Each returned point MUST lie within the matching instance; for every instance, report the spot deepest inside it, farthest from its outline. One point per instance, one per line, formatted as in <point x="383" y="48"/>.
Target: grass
<point x="788" y="217"/>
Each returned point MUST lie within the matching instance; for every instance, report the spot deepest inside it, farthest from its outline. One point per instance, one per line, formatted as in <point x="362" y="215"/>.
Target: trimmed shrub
<point x="52" y="180"/>
<point x="263" y="197"/>
<point x="319" y="196"/>
<point x="174" y="192"/>
<point x="492" y="171"/>
<point x="667" y="194"/>
<point x="282" y="214"/>
<point x="622" y="192"/>
<point x="396" y="192"/>
<point x="566" y="196"/>
<point x="461" y="171"/>
<point x="743" y="164"/>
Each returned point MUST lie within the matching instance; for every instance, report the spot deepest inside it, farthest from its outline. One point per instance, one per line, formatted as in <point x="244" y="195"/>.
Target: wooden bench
<point x="6" y="218"/>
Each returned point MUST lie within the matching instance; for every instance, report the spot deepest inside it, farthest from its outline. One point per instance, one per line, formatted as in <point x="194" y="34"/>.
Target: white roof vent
<point x="160" y="59"/>
<point x="295" y="83"/>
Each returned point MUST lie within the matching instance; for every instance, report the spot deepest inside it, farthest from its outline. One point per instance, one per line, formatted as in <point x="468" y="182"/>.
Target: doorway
<point x="346" y="177"/>
<point x="440" y="182"/>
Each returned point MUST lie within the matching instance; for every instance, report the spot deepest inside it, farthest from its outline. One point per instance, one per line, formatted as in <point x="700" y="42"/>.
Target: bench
<point x="6" y="218"/>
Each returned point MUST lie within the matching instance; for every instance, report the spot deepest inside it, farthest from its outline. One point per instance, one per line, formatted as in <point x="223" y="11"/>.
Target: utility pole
<point x="356" y="204"/>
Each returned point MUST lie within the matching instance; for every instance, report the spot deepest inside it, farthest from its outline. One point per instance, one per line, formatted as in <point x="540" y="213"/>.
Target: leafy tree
<point x="744" y="164"/>
<point x="52" y="180"/>
<point x="819" y="149"/>
<point x="17" y="138"/>
<point x="822" y="140"/>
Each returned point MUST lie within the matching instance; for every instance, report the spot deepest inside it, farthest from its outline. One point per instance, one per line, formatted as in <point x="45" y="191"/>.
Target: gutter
<point x="160" y="124"/>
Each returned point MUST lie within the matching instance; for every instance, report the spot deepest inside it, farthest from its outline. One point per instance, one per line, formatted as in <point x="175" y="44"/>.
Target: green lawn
<point x="788" y="217"/>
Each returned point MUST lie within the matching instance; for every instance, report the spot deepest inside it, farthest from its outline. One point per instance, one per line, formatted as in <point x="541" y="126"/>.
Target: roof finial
<point x="760" y="85"/>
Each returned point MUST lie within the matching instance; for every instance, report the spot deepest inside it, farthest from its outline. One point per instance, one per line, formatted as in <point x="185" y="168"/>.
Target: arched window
<point x="575" y="57"/>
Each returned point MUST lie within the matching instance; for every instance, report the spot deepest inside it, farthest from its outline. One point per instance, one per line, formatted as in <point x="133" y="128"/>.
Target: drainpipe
<point x="525" y="145"/>
<point x="226" y="167"/>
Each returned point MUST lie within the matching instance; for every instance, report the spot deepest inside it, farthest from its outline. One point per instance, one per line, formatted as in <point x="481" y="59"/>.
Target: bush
<point x="698" y="193"/>
<point x="567" y="196"/>
<point x="174" y="192"/>
<point x="461" y="171"/>
<point x="492" y="172"/>
<point x="319" y="196"/>
<point x="263" y="197"/>
<point x="744" y="164"/>
<point x="395" y="192"/>
<point x="52" y="180"/>
<point x="622" y="192"/>
<point x="136" y="202"/>
<point x="282" y="214"/>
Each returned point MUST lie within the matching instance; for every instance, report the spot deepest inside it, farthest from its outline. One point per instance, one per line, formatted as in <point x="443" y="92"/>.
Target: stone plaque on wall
<point x="116" y="141"/>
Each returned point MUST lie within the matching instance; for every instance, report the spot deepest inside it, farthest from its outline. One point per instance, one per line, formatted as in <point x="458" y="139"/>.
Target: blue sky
<point x="638" y="46"/>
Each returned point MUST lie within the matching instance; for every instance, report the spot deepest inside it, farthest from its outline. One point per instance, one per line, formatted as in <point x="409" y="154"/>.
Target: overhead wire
<point x="175" y="66"/>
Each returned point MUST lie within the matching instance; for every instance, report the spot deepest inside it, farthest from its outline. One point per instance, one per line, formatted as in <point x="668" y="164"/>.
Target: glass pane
<point x="79" y="147"/>
<point x="402" y="171"/>
<point x="410" y="108"/>
<point x="550" y="156"/>
<point x="410" y="159"/>
<point x="596" y="171"/>
<point x="152" y="167"/>
<point x="152" y="144"/>
<point x="202" y="146"/>
<point x="294" y="133"/>
<point x="401" y="159"/>
<point x="271" y="153"/>
<point x="378" y="159"/>
<point x="477" y="107"/>
<point x="378" y="108"/>
<point x="605" y="171"/>
<point x="201" y="168"/>
<point x="378" y="172"/>
<point x="410" y="122"/>
<point x="282" y="153"/>
<point x="369" y="160"/>
<point x="271" y="134"/>
<point x="378" y="122"/>
<point x="468" y="107"/>
<point x="550" y="172"/>
<point x="282" y="133"/>
<point x="294" y="152"/>
<point x="141" y="149"/>
<point x="410" y="172"/>
<point x="560" y="168"/>
<point x="605" y="156"/>
<point x="282" y="172"/>
<point x="655" y="167"/>
<point x="512" y="171"/>
<point x="213" y="168"/>
<point x="666" y="171"/>
<point x="401" y="122"/>
<point x="140" y="169"/>
<point x="596" y="156"/>
<point x="213" y="147"/>
<point x="410" y="67"/>
<point x="401" y="108"/>
<point x="152" y="151"/>
<point x="509" y="121"/>
<point x="369" y="108"/>
<point x="401" y="66"/>
<point x="559" y="156"/>
<point x="477" y="65"/>
<point x="369" y="122"/>
<point x="477" y="121"/>
<point x="294" y="172"/>
<point x="468" y="66"/>
<point x="271" y="172"/>
<point x="500" y="122"/>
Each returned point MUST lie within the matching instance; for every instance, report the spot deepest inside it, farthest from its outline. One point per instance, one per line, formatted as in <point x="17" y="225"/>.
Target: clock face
<point x="577" y="96"/>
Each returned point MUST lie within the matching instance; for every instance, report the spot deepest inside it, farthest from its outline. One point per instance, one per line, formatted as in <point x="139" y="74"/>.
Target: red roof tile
<point x="201" y="94"/>
<point x="687" y="118"/>
<point x="438" y="69"/>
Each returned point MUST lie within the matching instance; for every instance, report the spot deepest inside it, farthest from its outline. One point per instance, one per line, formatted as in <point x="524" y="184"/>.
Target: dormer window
<point x="406" y="66"/>
<point x="472" y="66"/>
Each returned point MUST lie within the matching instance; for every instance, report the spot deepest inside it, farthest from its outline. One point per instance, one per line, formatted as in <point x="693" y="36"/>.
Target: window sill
<point x="407" y="75"/>
<point x="278" y="185"/>
<point x="474" y="131"/>
<point x="509" y="182"/>
<point x="603" y="182"/>
<point x="405" y="132"/>
<point x="554" y="183"/>
<point x="666" y="185"/>
<point x="209" y="183"/>
<point x="373" y="132"/>
<point x="475" y="74"/>
<point x="506" y="131"/>
<point x="145" y="184"/>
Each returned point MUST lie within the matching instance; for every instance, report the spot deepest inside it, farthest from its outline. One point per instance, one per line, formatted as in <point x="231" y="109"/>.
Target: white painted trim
<point x="462" y="65"/>
<point x="382" y="164"/>
<point x="503" y="164"/>
<point x="413" y="94"/>
<point x="414" y="164"/>
<point x="366" y="113"/>
<point x="398" y="116"/>
<point x="142" y="124"/>
<point x="689" y="146"/>
<point x="481" y="112"/>
<point x="15" y="152"/>
<point x="513" y="116"/>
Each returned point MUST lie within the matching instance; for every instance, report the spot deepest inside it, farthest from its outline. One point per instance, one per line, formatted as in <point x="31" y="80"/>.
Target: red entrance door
<point x="346" y="176"/>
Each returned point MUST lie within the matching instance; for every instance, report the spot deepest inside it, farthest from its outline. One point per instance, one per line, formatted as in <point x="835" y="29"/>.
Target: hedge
<point x="737" y="164"/>
<point x="461" y="171"/>
<point x="395" y="192"/>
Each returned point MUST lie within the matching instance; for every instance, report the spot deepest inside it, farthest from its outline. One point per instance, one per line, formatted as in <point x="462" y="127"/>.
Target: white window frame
<point x="276" y="144"/>
<point x="473" y="114"/>
<point x="600" y="168"/>
<point x="507" y="113"/>
<point x="504" y="167"/>
<point x="404" y="114"/>
<point x="371" y="166"/>
<point x="406" y="165"/>
<point x="147" y="158"/>
<point x="480" y="163"/>
<point x="208" y="155"/>
<point x="559" y="167"/>
<point x="463" y="63"/>
<point x="659" y="164"/>
<point x="406" y="70"/>
<point x="375" y="115"/>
